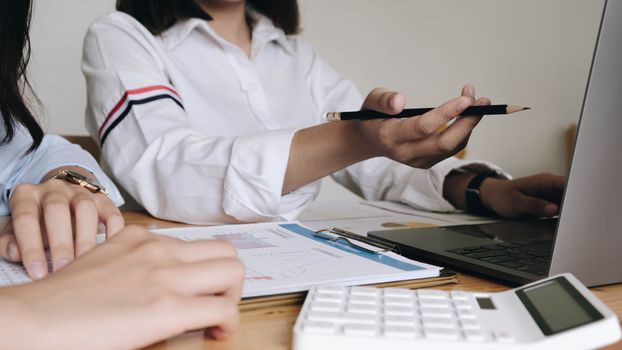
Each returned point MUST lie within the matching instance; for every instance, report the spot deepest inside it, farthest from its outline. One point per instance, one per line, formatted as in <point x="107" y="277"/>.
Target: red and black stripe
<point x="129" y="103"/>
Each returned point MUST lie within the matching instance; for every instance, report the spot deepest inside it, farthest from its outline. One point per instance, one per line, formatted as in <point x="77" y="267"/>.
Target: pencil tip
<point x="526" y="108"/>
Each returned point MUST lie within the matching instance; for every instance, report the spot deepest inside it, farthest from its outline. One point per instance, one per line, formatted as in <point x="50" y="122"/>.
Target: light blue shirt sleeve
<point x="18" y="167"/>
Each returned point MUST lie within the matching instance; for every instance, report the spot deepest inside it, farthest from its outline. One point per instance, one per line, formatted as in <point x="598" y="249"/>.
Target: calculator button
<point x="474" y="335"/>
<point x="330" y="289"/>
<point x="437" y="322"/>
<point x="359" y="329"/>
<point x="434" y="303"/>
<point x="399" y="311"/>
<point x="319" y="327"/>
<point x="431" y="294"/>
<point x="459" y="295"/>
<point x="463" y="304"/>
<point x="401" y="320"/>
<point x="324" y="306"/>
<point x="350" y="317"/>
<point x="396" y="301"/>
<point x="362" y="308"/>
<point x="435" y="312"/>
<point x="503" y="337"/>
<point x="362" y="299"/>
<point x="322" y="316"/>
<point x="402" y="332"/>
<point x="364" y="291"/>
<point x="442" y="334"/>
<point x="466" y="314"/>
<point x="328" y="297"/>
<point x="398" y="292"/>
<point x="470" y="324"/>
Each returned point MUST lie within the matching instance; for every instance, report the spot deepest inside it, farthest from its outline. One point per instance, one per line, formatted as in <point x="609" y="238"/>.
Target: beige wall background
<point x="527" y="52"/>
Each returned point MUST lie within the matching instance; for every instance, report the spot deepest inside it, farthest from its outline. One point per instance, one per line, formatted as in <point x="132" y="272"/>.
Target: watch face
<point x="81" y="180"/>
<point x="76" y="175"/>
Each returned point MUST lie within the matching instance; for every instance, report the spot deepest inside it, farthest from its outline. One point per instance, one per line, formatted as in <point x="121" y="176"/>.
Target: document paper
<point x="286" y="257"/>
<point x="283" y="258"/>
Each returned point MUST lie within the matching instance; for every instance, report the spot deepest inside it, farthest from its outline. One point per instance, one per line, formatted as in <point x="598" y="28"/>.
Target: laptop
<point x="586" y="239"/>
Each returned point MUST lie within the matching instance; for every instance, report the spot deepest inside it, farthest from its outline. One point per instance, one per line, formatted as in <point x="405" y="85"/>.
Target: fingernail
<point x="60" y="263"/>
<point x="218" y="333"/>
<point x="471" y="90"/>
<point x="550" y="209"/>
<point x="12" y="250"/>
<point x="392" y="102"/>
<point x="38" y="270"/>
<point x="464" y="104"/>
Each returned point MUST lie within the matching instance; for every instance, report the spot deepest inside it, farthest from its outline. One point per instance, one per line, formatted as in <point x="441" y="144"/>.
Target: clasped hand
<point x="54" y="213"/>
<point x="136" y="289"/>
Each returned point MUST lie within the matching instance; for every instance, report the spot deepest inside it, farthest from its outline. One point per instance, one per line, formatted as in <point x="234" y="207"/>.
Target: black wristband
<point x="472" y="195"/>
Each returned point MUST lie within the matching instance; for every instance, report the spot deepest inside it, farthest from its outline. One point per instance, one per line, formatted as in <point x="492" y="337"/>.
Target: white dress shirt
<point x="198" y="132"/>
<point x="18" y="167"/>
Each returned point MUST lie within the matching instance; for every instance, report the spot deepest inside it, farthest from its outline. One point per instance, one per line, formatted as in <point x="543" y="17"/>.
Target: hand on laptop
<point x="134" y="290"/>
<point x="537" y="195"/>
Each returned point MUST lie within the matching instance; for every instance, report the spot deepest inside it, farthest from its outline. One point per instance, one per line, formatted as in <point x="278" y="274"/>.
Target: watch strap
<point x="80" y="180"/>
<point x="473" y="196"/>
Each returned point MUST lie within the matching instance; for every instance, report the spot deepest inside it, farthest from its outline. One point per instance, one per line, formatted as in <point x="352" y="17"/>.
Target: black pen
<point x="411" y="112"/>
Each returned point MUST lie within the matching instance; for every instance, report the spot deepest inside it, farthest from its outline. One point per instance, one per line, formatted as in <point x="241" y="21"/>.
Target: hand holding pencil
<point x="417" y="142"/>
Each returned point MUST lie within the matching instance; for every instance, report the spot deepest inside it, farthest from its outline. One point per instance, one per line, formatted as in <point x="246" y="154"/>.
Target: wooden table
<point x="271" y="328"/>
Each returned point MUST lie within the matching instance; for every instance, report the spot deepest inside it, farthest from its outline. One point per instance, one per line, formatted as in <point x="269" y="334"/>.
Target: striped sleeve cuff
<point x="133" y="98"/>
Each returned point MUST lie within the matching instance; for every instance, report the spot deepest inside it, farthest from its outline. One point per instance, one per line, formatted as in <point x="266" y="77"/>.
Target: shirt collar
<point x="264" y="32"/>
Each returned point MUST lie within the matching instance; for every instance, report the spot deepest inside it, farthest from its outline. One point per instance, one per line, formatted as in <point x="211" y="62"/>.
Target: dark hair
<point x="14" y="56"/>
<point x="159" y="15"/>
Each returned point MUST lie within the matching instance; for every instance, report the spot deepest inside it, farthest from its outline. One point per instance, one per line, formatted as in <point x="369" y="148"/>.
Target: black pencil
<point x="411" y="112"/>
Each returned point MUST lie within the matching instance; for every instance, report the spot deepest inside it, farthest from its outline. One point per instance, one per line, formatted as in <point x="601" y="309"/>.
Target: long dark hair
<point x="159" y="15"/>
<point x="14" y="56"/>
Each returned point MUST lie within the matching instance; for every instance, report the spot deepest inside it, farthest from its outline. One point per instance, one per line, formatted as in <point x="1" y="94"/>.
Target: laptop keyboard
<point x="530" y="256"/>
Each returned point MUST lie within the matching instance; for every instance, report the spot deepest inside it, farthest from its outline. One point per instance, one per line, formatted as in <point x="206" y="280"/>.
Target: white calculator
<point x="554" y="313"/>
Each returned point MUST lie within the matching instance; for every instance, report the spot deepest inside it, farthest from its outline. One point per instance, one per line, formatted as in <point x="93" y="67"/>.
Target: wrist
<point x="75" y="169"/>
<point x="348" y="142"/>
<point x="480" y="191"/>
<point x="80" y="179"/>
<point x="358" y="142"/>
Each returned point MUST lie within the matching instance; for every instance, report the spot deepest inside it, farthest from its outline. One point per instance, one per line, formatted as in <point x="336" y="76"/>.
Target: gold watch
<point x="81" y="180"/>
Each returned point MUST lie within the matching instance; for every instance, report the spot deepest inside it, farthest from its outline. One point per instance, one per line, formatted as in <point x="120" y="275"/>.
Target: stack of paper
<point x="287" y="257"/>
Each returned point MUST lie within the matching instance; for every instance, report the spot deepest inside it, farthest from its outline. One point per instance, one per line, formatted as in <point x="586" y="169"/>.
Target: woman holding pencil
<point x="211" y="111"/>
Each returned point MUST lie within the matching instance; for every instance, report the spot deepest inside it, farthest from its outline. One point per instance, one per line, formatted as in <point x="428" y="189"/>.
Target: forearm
<point x="321" y="150"/>
<point x="14" y="320"/>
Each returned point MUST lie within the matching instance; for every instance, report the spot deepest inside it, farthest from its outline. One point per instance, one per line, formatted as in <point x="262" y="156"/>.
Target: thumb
<point x="385" y="101"/>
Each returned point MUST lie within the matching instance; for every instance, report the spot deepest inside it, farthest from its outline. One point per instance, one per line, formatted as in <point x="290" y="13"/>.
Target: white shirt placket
<point x="250" y="83"/>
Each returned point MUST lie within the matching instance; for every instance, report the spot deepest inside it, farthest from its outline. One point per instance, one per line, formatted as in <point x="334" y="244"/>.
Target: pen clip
<point x="363" y="243"/>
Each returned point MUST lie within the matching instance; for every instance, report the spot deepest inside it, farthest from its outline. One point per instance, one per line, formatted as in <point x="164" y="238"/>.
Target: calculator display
<point x="557" y="306"/>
